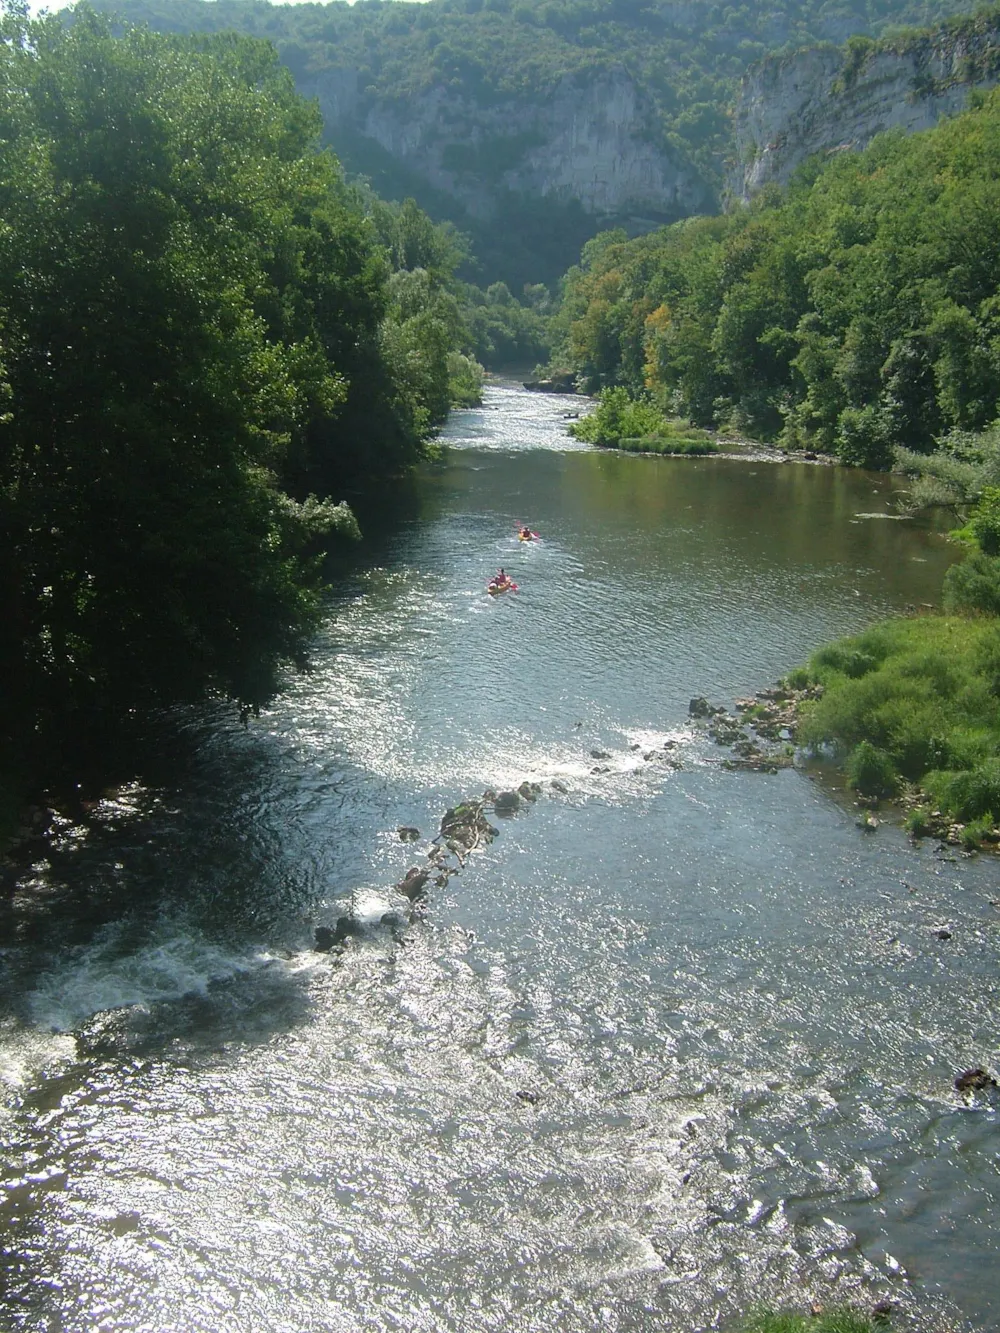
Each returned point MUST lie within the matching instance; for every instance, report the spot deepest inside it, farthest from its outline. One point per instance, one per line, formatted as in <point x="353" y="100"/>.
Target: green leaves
<point x="192" y="306"/>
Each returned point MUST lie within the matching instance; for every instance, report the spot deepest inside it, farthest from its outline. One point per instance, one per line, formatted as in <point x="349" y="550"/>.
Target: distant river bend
<point x="728" y="1012"/>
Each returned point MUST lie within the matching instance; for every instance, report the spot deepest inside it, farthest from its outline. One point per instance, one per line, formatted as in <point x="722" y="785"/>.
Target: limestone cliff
<point x="586" y="140"/>
<point x="829" y="99"/>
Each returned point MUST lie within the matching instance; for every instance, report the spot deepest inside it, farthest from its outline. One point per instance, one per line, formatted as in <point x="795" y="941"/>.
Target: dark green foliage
<point x="858" y="311"/>
<point x="198" y="323"/>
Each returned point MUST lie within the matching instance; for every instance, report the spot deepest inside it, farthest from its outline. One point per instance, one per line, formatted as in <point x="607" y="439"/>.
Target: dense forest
<point x="854" y="313"/>
<point x="685" y="58"/>
<point x="207" y="335"/>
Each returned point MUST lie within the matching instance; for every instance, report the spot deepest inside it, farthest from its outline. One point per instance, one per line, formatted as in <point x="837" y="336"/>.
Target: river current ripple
<point x="678" y="1041"/>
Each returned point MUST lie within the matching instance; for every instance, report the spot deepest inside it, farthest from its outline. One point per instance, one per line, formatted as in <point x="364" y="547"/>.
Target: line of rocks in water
<point x="464" y="829"/>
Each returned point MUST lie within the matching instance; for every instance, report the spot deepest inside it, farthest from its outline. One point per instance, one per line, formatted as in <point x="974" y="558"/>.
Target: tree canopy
<point x="857" y="311"/>
<point x="198" y="325"/>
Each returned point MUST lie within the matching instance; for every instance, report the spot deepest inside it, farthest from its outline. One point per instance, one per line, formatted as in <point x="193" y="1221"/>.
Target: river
<point x="731" y="1022"/>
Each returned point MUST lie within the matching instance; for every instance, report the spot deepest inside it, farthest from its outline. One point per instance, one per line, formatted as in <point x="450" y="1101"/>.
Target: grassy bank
<point x="914" y="704"/>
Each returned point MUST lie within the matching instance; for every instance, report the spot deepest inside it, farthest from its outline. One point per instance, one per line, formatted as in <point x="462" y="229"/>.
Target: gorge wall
<point x="586" y="140"/>
<point x="832" y="99"/>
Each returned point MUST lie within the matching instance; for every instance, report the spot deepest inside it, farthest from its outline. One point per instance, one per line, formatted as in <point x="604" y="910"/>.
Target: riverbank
<point x="909" y="709"/>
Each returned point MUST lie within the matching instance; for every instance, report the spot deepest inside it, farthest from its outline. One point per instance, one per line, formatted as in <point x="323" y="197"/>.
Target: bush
<point x="928" y="710"/>
<point x="975" y="831"/>
<point x="863" y="438"/>
<point x="984" y="521"/>
<point x="465" y="380"/>
<point x="871" y="772"/>
<point x="974" y="793"/>
<point x="622" y="422"/>
<point x="918" y="821"/>
<point x="974" y="586"/>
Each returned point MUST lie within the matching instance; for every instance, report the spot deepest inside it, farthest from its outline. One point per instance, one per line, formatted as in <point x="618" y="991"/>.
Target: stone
<point x="974" y="1080"/>
<point x="414" y="882"/>
<point x="506" y="802"/>
<point x="700" y="707"/>
<point x="525" y="1095"/>
<point x="599" y="754"/>
<point x="407" y="833"/>
<point x="558" y="785"/>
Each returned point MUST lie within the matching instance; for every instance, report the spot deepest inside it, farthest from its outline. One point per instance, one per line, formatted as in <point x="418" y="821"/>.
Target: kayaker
<point x="526" y="534"/>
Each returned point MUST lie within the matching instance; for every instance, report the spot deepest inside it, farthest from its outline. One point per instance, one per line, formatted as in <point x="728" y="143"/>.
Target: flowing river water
<point x="679" y="1040"/>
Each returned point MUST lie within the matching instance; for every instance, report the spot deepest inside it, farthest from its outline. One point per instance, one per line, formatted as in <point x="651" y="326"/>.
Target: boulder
<point x="414" y="883"/>
<point x="974" y="1080"/>
<point x="327" y="939"/>
<point x="506" y="802"/>
<point x="407" y="833"/>
<point x="323" y="939"/>
<point x="700" y="707"/>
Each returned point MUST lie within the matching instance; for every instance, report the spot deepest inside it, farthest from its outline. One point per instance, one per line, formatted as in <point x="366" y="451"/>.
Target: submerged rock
<point x="414" y="882"/>
<point x="407" y="833"/>
<point x="327" y="939"/>
<point x="700" y="707"/>
<point x="975" y="1080"/>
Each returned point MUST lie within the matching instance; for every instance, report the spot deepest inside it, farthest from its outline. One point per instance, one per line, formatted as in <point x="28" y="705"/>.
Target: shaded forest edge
<point x="208" y="339"/>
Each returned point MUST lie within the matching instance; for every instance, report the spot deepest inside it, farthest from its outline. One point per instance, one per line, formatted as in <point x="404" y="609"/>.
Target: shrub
<point x="871" y="772"/>
<point x="918" y="821"/>
<point x="975" y="792"/>
<point x="465" y="380"/>
<point x="984" y="521"/>
<point x="975" y="831"/>
<point x="622" y="422"/>
<point x="864" y="438"/>
<point x="974" y="586"/>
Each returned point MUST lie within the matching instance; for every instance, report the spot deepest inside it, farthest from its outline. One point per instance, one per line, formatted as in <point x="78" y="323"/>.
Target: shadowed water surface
<point x="679" y="1039"/>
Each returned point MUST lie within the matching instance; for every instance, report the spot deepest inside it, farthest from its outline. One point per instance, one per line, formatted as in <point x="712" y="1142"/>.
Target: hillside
<point x="533" y="124"/>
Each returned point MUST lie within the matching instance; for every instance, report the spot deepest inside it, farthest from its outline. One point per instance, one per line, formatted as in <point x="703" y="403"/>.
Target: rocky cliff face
<point x="828" y="100"/>
<point x="584" y="142"/>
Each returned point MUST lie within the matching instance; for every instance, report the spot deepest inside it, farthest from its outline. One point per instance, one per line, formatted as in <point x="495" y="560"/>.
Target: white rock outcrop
<point x="790" y="107"/>
<point x="585" y="140"/>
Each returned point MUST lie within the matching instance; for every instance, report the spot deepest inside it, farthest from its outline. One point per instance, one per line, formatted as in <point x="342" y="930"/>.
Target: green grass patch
<point x="918" y="700"/>
<point x="840" y="1320"/>
<point x="674" y="439"/>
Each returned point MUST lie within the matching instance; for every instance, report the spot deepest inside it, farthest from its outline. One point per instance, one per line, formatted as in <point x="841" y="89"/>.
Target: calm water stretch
<point x="733" y="1023"/>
